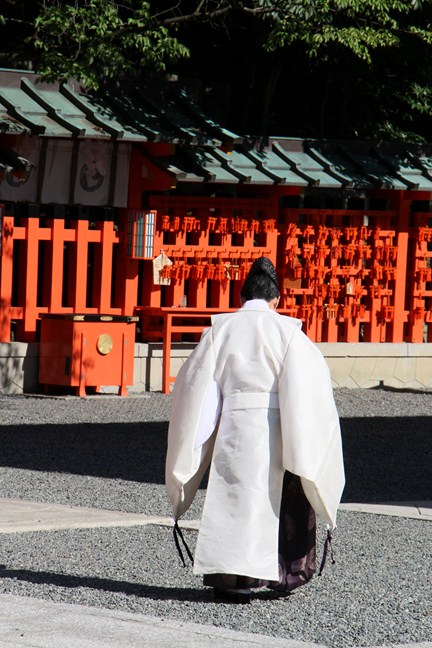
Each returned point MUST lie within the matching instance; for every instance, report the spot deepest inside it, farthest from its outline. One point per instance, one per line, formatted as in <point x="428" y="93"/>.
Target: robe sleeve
<point x="311" y="438"/>
<point x="195" y="412"/>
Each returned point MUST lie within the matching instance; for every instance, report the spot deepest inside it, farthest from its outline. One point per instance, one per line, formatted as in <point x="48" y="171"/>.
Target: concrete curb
<point x="42" y="624"/>
<point x="416" y="510"/>
<point x="36" y="623"/>
<point x="21" y="516"/>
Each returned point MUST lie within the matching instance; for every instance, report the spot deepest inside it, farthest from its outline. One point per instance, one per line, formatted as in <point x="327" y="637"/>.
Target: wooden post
<point x="6" y="270"/>
<point x="81" y="261"/>
<point x="31" y="280"/>
<point x="57" y="260"/>
<point x="105" y="262"/>
<point x="402" y="206"/>
<point x="166" y="360"/>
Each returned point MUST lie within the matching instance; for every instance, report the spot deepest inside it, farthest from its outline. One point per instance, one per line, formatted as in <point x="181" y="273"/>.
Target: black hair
<point x="261" y="281"/>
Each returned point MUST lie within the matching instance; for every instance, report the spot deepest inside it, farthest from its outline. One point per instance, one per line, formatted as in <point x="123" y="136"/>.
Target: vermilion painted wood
<point x="69" y="354"/>
<point x="160" y="323"/>
<point x="349" y="275"/>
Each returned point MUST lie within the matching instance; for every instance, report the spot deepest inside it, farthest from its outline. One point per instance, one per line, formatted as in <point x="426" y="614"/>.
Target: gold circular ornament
<point x="104" y="344"/>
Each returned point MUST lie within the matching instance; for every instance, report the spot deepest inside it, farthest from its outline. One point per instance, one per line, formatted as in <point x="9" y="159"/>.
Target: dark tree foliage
<point x="302" y="68"/>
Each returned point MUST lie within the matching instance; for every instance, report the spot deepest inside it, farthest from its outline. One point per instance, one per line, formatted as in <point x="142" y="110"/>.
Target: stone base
<point x="357" y="365"/>
<point x="19" y="364"/>
<point x="399" y="366"/>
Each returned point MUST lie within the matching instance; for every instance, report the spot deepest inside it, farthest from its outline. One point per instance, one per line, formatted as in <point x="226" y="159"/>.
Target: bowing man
<point x="254" y="402"/>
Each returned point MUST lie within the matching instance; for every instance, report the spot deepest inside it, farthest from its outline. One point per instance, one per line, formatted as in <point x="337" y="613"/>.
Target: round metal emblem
<point x="104" y="344"/>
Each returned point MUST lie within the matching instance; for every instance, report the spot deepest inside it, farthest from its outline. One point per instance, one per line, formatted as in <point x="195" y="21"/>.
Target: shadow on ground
<point x="386" y="459"/>
<point x="106" y="585"/>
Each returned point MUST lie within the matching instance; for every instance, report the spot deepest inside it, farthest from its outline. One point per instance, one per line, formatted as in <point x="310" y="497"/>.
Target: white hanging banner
<point x="56" y="178"/>
<point x="93" y="173"/>
<point x="93" y="177"/>
<point x="91" y="184"/>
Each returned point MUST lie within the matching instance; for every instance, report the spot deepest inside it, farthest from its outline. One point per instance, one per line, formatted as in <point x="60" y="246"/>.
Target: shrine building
<point x="128" y="218"/>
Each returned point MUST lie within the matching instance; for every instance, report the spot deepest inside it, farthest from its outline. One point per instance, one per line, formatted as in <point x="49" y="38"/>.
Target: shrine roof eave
<point x="204" y="151"/>
<point x="360" y="165"/>
<point x="181" y="175"/>
<point x="275" y="167"/>
<point x="308" y="168"/>
<point x="68" y="111"/>
<point x="410" y="170"/>
<point x="11" y="126"/>
<point x="257" y="173"/>
<point x="209" y="163"/>
<point x="207" y="123"/>
<point x="26" y="111"/>
<point x="101" y="116"/>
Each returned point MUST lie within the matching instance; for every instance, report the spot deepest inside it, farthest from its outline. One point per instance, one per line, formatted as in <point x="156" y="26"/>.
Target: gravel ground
<point x="108" y="452"/>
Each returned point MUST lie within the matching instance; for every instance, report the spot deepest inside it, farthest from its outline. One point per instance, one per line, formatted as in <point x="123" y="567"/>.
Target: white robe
<point x="254" y="399"/>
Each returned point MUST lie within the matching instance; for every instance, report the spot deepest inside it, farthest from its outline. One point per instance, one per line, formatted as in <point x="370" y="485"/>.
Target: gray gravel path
<point x="108" y="452"/>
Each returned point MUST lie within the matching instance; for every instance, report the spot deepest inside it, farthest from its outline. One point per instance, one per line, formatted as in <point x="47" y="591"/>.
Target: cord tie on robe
<point x="327" y="545"/>
<point x="178" y="534"/>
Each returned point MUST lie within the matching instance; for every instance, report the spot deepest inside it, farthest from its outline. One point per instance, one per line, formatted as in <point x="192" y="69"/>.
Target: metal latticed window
<point x="140" y="234"/>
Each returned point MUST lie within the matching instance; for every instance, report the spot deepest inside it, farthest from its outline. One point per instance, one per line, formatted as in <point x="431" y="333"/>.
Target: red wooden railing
<point x="368" y="281"/>
<point x="53" y="268"/>
<point x="349" y="275"/>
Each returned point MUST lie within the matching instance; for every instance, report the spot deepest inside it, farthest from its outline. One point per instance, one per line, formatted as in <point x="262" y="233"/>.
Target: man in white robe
<point x="254" y="401"/>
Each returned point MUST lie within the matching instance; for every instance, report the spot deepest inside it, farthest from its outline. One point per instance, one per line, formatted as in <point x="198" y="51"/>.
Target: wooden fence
<point x="49" y="267"/>
<point x="349" y="275"/>
<point x="369" y="280"/>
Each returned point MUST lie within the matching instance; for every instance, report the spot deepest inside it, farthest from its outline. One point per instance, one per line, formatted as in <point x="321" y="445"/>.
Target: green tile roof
<point x="375" y="171"/>
<point x="408" y="169"/>
<point x="11" y="126"/>
<point x="202" y="149"/>
<point x="31" y="114"/>
<point x="275" y="167"/>
<point x="308" y="168"/>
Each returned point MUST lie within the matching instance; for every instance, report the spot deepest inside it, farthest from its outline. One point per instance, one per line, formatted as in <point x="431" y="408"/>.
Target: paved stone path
<point x="33" y="623"/>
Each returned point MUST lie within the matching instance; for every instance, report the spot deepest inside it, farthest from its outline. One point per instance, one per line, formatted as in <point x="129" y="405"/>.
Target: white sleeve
<point x="195" y="411"/>
<point x="311" y="438"/>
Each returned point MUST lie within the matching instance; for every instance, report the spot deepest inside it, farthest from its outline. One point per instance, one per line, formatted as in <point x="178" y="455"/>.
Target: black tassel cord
<point x="178" y="534"/>
<point x="327" y="545"/>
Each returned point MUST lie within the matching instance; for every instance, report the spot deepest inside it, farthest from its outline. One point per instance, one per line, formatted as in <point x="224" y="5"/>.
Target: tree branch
<point x="224" y="8"/>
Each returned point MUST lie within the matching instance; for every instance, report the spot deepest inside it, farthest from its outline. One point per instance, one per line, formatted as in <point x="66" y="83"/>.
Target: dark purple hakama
<point x="297" y="545"/>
